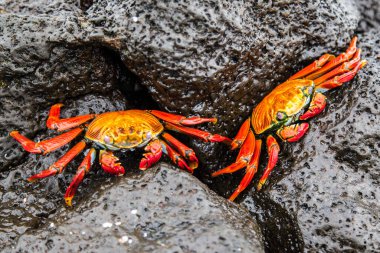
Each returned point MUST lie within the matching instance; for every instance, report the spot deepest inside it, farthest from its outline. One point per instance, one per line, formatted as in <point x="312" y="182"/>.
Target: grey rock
<point x="162" y="210"/>
<point x="217" y="57"/>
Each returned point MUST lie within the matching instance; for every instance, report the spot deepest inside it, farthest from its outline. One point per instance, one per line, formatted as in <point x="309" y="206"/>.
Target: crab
<point x="284" y="111"/>
<point x="119" y="130"/>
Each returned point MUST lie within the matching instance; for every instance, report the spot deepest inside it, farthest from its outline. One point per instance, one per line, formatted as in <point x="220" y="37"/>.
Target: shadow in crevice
<point x="280" y="230"/>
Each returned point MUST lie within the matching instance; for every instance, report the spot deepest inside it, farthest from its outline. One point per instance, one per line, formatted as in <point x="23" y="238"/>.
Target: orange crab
<point x="285" y="109"/>
<point x="114" y="131"/>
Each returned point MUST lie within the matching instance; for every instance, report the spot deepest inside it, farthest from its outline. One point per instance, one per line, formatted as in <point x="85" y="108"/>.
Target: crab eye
<point x="281" y="116"/>
<point x="107" y="139"/>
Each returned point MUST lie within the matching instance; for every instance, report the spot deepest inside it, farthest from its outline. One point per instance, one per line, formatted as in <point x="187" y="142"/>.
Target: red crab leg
<point x="59" y="165"/>
<point x="175" y="157"/>
<point x="181" y="120"/>
<point x="184" y="150"/>
<point x="345" y="67"/>
<point x="45" y="146"/>
<point x="316" y="106"/>
<point x="241" y="135"/>
<point x="250" y="171"/>
<point x="273" y="150"/>
<point x="316" y="65"/>
<point x="110" y="164"/>
<point x="243" y="157"/>
<point x="293" y="132"/>
<point x="339" y="80"/>
<point x="55" y="123"/>
<point x="203" y="135"/>
<point x="152" y="156"/>
<point x="335" y="62"/>
<point x="83" y="169"/>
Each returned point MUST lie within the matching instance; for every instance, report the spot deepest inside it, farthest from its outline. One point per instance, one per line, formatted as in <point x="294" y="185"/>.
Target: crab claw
<point x="152" y="156"/>
<point x="109" y="163"/>
<point x="293" y="133"/>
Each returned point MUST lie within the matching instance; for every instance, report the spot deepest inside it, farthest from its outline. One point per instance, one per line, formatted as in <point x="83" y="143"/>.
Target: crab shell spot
<point x="126" y="129"/>
<point x="289" y="97"/>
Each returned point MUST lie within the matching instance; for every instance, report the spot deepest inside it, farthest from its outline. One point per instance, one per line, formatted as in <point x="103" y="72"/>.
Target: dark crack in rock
<point x="332" y="186"/>
<point x="163" y="210"/>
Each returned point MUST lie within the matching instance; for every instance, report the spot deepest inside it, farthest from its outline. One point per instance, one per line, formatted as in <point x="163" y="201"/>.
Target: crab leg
<point x="83" y="169"/>
<point x="110" y="164"/>
<point x="181" y="120"/>
<point x="316" y="65"/>
<point x="250" y="171"/>
<point x="241" y="135"/>
<point x="335" y="62"/>
<point x="45" y="146"/>
<point x="273" y="150"/>
<point x="59" y="165"/>
<point x="345" y="67"/>
<point x="243" y="157"/>
<point x="175" y="157"/>
<point x="203" y="135"/>
<point x="55" y="123"/>
<point x="339" y="80"/>
<point x="152" y="156"/>
<point x="184" y="150"/>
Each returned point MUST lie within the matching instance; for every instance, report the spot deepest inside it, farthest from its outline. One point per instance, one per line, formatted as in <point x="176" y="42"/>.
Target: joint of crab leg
<point x="339" y="80"/>
<point x="59" y="165"/>
<point x="338" y="60"/>
<point x="316" y="65"/>
<point x="45" y="146"/>
<point x="250" y="171"/>
<point x="181" y="120"/>
<point x="184" y="150"/>
<point x="109" y="163"/>
<point x="83" y="169"/>
<point x="243" y="157"/>
<point x="241" y="135"/>
<point x="203" y="135"/>
<point x="152" y="156"/>
<point x="175" y="157"/>
<point x="26" y="143"/>
<point x="316" y="106"/>
<point x="294" y="132"/>
<point x="273" y="150"/>
<point x="55" y="123"/>
<point x="345" y="67"/>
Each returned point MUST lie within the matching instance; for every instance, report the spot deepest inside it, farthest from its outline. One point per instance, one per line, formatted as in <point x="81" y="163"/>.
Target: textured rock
<point x="195" y="57"/>
<point x="163" y="210"/>
<point x="332" y="181"/>
<point x="217" y="57"/>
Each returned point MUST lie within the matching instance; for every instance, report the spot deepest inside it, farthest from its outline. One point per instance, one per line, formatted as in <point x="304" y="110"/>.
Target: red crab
<point x="112" y="131"/>
<point x="285" y="109"/>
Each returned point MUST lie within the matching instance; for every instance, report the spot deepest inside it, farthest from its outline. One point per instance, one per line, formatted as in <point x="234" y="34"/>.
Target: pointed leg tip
<point x="12" y="133"/>
<point x="233" y="196"/>
<point x="193" y="165"/>
<point x="68" y="201"/>
<point x="32" y="179"/>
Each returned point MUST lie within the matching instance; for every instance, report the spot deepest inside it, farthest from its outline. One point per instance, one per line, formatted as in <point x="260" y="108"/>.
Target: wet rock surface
<point x="215" y="57"/>
<point x="161" y="210"/>
<point x="211" y="58"/>
<point x="332" y="185"/>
